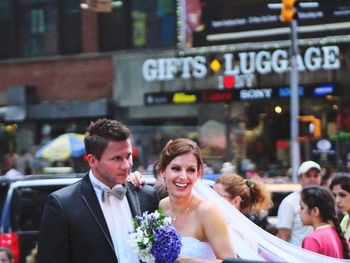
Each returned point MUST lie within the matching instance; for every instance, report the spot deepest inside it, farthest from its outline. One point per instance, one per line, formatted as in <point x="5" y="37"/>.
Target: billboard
<point x="214" y="25"/>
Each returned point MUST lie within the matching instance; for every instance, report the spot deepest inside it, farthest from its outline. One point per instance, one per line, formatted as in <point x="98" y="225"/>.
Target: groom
<point x="90" y="221"/>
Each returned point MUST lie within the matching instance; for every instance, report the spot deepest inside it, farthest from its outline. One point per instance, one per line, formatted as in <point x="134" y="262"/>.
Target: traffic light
<point x="309" y="128"/>
<point x="97" y="5"/>
<point x="288" y="10"/>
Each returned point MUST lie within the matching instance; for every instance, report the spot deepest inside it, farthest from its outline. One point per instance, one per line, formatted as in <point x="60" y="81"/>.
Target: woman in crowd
<point x="317" y="208"/>
<point x="249" y="196"/>
<point x="340" y="186"/>
<point x="202" y="226"/>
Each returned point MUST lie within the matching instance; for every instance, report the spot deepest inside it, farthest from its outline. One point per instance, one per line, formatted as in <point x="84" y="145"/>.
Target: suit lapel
<point x="90" y="199"/>
<point x="133" y="200"/>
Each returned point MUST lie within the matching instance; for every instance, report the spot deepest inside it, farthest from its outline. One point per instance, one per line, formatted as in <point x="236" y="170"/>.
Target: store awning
<point x="3" y="111"/>
<point x="15" y="113"/>
<point x="55" y="110"/>
<point x="68" y="109"/>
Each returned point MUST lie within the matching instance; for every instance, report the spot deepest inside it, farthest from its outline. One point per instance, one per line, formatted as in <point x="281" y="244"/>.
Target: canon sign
<point x="262" y="62"/>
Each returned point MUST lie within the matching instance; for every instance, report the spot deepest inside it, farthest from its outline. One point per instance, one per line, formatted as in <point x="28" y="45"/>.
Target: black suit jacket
<point x="73" y="228"/>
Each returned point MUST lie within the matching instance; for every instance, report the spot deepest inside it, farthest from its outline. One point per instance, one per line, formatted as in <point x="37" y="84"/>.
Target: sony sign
<point x="245" y="63"/>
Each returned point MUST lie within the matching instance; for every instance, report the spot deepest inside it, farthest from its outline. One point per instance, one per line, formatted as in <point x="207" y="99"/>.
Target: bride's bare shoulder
<point x="206" y="209"/>
<point x="165" y="204"/>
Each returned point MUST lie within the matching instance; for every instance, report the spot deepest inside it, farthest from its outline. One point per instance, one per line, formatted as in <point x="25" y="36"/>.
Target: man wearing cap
<point x="289" y="225"/>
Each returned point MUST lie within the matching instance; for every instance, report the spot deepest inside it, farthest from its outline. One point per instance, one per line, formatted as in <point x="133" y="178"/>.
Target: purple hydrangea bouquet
<point x="155" y="239"/>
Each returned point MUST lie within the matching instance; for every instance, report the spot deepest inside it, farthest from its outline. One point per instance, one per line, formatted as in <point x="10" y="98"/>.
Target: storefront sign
<point x="206" y="96"/>
<point x="311" y="91"/>
<point x="252" y="94"/>
<point x="238" y="71"/>
<point x="324" y="90"/>
<point x="166" y="69"/>
<point x="284" y="92"/>
<point x="181" y="97"/>
<point x="264" y="62"/>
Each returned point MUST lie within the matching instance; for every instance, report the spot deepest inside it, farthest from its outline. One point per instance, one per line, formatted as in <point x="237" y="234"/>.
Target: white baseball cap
<point x="306" y="166"/>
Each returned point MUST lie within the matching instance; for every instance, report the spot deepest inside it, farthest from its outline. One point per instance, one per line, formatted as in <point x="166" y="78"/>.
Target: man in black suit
<point x="90" y="221"/>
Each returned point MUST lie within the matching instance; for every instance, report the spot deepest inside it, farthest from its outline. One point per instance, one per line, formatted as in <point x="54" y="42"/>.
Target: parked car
<point x="22" y="201"/>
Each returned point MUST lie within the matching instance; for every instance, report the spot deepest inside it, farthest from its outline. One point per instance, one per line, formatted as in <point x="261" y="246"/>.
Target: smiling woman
<point x="202" y="226"/>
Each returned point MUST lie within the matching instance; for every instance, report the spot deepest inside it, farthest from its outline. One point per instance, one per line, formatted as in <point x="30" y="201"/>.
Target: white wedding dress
<point x="252" y="242"/>
<point x="193" y="247"/>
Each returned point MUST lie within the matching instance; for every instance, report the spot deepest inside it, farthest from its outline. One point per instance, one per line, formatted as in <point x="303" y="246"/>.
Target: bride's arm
<point x="216" y="231"/>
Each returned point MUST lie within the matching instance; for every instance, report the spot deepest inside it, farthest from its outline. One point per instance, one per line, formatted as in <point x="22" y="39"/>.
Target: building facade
<point x="63" y="67"/>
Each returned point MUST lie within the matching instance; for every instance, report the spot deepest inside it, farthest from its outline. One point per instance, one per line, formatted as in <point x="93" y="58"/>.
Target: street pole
<point x="294" y="102"/>
<point x="228" y="155"/>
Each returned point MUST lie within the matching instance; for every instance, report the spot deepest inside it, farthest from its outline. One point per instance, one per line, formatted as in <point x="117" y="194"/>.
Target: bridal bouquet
<point x="155" y="239"/>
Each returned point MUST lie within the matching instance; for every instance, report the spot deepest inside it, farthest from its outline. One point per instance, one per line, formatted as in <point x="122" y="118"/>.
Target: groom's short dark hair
<point x="101" y="132"/>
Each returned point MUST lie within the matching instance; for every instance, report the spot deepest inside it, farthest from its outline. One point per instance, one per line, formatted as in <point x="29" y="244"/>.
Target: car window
<point x="27" y="206"/>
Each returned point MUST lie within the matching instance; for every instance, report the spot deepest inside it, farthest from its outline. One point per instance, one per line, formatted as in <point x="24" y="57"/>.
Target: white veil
<point x="252" y="242"/>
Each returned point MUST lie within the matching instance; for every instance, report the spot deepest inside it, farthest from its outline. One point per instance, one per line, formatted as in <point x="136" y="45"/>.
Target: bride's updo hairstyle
<point x="177" y="147"/>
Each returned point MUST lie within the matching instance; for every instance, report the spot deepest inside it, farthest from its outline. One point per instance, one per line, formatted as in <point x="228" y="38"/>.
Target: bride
<point x="201" y="216"/>
<point x="202" y="226"/>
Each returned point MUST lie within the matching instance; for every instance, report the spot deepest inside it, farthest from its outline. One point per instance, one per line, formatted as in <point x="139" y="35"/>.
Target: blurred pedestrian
<point x="249" y="196"/>
<point x="289" y="225"/>
<point x="327" y="176"/>
<point x="340" y="186"/>
<point x="33" y="256"/>
<point x="24" y="162"/>
<point x="317" y="209"/>
<point x="9" y="166"/>
<point x="6" y="255"/>
<point x="252" y="172"/>
<point x="227" y="167"/>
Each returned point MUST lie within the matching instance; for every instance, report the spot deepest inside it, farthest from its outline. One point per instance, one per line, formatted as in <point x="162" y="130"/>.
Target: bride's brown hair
<point x="177" y="147"/>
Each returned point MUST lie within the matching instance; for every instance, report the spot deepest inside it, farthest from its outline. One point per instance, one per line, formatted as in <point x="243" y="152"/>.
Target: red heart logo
<point x="229" y="82"/>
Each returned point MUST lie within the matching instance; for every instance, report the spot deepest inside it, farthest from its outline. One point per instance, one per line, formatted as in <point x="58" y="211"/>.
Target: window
<point x="37" y="28"/>
<point x="153" y="23"/>
<point x="113" y="29"/>
<point x="34" y="28"/>
<point x="70" y="36"/>
<point x="7" y="43"/>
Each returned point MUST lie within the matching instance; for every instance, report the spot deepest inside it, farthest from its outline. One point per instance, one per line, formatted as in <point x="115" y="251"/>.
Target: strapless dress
<point x="193" y="247"/>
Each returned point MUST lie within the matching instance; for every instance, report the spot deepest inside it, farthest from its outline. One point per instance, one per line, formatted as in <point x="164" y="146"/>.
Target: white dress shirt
<point x="119" y="221"/>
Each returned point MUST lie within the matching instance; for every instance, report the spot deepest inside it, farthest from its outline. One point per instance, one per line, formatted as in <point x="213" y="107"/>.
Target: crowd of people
<point x="91" y="220"/>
